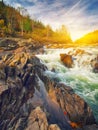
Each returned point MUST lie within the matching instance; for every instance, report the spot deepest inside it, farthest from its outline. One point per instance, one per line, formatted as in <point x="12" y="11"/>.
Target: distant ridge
<point x="90" y="38"/>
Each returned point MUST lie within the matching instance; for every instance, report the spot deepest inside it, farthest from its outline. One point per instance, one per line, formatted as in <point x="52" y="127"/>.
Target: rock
<point x="33" y="101"/>
<point x="94" y="64"/>
<point x="37" y="120"/>
<point x="76" y="108"/>
<point x="95" y="68"/>
<point x="79" y="52"/>
<point x="53" y="127"/>
<point x="8" y="44"/>
<point x="2" y="71"/>
<point x="90" y="127"/>
<point x="19" y="104"/>
<point x="19" y="50"/>
<point x="67" y="60"/>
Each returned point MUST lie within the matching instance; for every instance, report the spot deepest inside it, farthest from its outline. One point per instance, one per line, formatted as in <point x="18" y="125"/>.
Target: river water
<point x="81" y="77"/>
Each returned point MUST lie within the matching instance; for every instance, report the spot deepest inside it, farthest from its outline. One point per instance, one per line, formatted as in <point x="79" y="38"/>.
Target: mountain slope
<point x="90" y="38"/>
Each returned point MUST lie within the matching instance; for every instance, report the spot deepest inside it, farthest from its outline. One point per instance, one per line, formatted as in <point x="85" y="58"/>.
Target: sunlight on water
<point x="81" y="77"/>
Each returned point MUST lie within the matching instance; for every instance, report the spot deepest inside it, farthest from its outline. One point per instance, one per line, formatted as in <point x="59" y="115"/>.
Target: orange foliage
<point x="75" y="125"/>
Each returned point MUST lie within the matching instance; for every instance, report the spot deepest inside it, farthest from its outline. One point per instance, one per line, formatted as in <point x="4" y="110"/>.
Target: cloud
<point x="79" y="16"/>
<point x="75" y="16"/>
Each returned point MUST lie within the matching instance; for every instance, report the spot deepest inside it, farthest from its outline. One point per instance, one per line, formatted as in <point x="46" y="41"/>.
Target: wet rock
<point x="75" y="107"/>
<point x="79" y="52"/>
<point x="67" y="60"/>
<point x="94" y="64"/>
<point x="96" y="68"/>
<point x="33" y="101"/>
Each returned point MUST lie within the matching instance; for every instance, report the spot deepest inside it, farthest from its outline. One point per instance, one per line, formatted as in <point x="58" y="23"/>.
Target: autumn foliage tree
<point x="1" y="23"/>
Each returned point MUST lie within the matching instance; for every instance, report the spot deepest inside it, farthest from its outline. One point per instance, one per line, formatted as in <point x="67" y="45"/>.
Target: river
<point x="80" y="77"/>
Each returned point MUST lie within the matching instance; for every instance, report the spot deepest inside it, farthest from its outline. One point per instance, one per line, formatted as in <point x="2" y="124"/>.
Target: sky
<point x="79" y="16"/>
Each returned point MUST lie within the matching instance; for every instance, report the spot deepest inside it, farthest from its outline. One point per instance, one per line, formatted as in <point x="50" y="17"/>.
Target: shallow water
<point x="81" y="77"/>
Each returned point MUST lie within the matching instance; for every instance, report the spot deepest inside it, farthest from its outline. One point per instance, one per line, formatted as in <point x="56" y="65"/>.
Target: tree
<point x="22" y="11"/>
<point x="1" y="23"/>
<point x="63" y="30"/>
<point x="2" y="10"/>
<point x="10" y="16"/>
<point x="27" y="26"/>
<point x="48" y="31"/>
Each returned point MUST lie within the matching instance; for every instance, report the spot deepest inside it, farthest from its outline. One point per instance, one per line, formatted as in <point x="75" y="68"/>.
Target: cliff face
<point x="29" y="99"/>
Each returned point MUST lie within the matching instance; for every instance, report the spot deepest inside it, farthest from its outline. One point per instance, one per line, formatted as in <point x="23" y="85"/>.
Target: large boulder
<point x="67" y="60"/>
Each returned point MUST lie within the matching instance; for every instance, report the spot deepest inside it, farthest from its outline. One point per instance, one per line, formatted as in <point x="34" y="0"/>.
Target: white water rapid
<point x="81" y="77"/>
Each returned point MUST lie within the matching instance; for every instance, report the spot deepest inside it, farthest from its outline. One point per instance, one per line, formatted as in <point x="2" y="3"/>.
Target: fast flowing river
<point x="81" y="77"/>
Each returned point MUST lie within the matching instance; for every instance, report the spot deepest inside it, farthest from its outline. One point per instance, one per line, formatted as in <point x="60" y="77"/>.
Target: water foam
<point x="81" y="77"/>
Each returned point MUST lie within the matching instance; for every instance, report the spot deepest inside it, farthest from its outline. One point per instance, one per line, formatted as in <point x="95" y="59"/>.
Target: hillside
<point x="17" y="22"/>
<point x="89" y="39"/>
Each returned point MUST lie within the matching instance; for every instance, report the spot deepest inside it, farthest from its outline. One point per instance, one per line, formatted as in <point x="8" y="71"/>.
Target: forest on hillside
<point x="90" y="38"/>
<point x="17" y="22"/>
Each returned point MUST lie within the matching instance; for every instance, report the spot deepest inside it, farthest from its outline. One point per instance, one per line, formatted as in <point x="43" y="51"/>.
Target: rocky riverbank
<point x="29" y="99"/>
